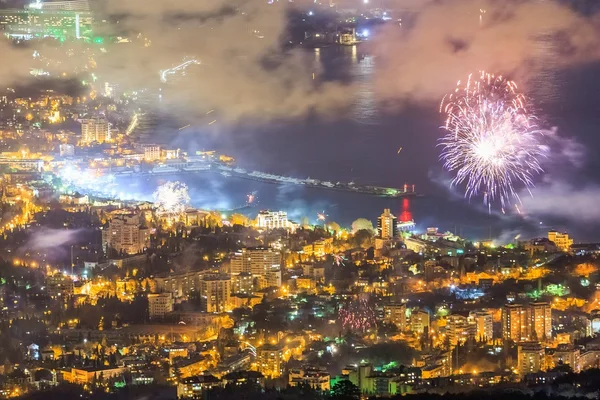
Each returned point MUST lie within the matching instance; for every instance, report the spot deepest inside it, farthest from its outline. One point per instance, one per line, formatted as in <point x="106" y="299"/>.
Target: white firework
<point x="171" y="199"/>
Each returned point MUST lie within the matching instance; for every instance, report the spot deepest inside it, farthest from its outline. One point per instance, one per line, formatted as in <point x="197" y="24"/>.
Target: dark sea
<point x="363" y="147"/>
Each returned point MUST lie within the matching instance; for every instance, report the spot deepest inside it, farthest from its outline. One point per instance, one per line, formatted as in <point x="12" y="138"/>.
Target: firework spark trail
<point x="338" y="259"/>
<point x="171" y="199"/>
<point x="358" y="316"/>
<point x="492" y="141"/>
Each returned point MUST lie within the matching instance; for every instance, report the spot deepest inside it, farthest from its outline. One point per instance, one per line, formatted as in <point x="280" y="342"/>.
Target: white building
<point x="159" y="304"/>
<point x="272" y="220"/>
<point x="152" y="152"/>
<point x="95" y="130"/>
<point x="66" y="150"/>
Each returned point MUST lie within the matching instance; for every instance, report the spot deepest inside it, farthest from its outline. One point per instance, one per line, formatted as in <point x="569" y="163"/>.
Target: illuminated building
<point x="257" y="261"/>
<point x="41" y="22"/>
<point x="316" y="379"/>
<point x="82" y="376"/>
<point x="561" y="240"/>
<point x="566" y="354"/>
<point x="322" y="247"/>
<point x="272" y="220"/>
<point x="74" y="199"/>
<point x="159" y="304"/>
<point x="527" y="322"/>
<point x="111" y="90"/>
<point x="306" y="284"/>
<point x="95" y="130"/>
<point x="386" y="225"/>
<point x="23" y="164"/>
<point x="59" y="286"/>
<point x="459" y="329"/>
<point x="180" y="284"/>
<point x="215" y="293"/>
<point x="125" y="234"/>
<point x="67" y="5"/>
<point x="419" y="321"/>
<point x="152" y="152"/>
<point x="395" y="314"/>
<point x="530" y="358"/>
<point x="540" y="321"/>
<point x="270" y="359"/>
<point x="484" y="322"/>
<point x="66" y="150"/>
<point x="514" y="322"/>
<point x="196" y="386"/>
<point x="242" y="283"/>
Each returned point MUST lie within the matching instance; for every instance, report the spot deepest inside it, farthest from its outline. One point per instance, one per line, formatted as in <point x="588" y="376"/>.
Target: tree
<point x="362" y="224"/>
<point x="345" y="390"/>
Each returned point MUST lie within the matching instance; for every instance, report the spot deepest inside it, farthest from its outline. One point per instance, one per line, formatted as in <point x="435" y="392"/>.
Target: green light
<point x="98" y="40"/>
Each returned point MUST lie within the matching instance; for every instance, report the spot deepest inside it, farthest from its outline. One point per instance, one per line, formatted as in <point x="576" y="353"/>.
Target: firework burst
<point x="171" y="199"/>
<point x="492" y="142"/>
<point x="358" y="316"/>
<point x="338" y="259"/>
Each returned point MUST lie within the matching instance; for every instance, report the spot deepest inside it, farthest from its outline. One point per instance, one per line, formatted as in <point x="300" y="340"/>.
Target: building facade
<point x="95" y="130"/>
<point x="386" y="225"/>
<point x="561" y="240"/>
<point x="125" y="234"/>
<point x="159" y="304"/>
<point x="215" y="293"/>
<point x="272" y="220"/>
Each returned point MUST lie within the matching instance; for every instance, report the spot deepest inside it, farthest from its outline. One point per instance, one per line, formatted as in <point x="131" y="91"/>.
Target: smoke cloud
<point x="244" y="71"/>
<point x="421" y="60"/>
<point x="52" y="238"/>
<point x="563" y="200"/>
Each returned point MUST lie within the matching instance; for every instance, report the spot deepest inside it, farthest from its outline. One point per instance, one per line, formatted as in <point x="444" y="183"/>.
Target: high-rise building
<point x="95" y="130"/>
<point x="420" y="321"/>
<point x="561" y="240"/>
<point x="111" y="90"/>
<point x="125" y="234"/>
<point x="460" y="329"/>
<point x="59" y="286"/>
<point x="242" y="283"/>
<point x="484" y="322"/>
<point x="514" y="322"/>
<point x="256" y="260"/>
<point x="272" y="220"/>
<point x="531" y="322"/>
<point x="270" y="360"/>
<point x="180" y="284"/>
<point x="395" y="313"/>
<point x="387" y="225"/>
<point x="540" y="321"/>
<point x="530" y="358"/>
<point x="215" y="293"/>
<point x="159" y="304"/>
